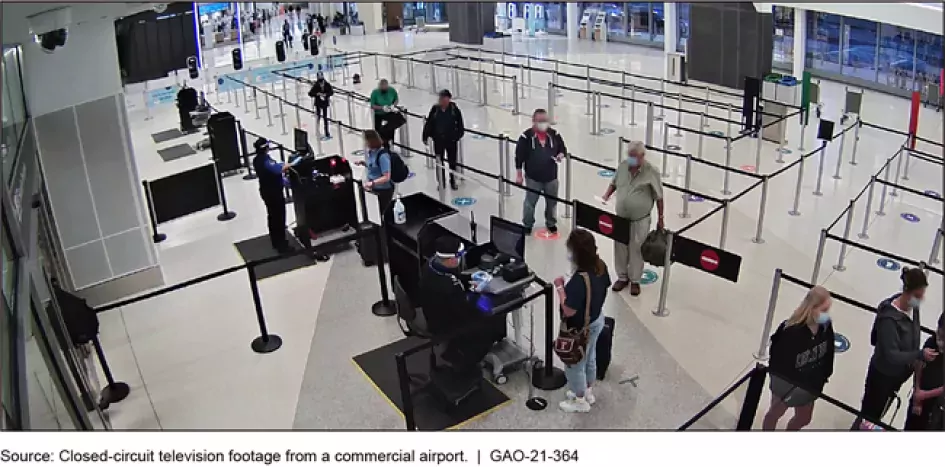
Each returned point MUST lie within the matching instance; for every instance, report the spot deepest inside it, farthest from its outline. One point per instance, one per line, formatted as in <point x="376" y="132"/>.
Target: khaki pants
<point x="628" y="260"/>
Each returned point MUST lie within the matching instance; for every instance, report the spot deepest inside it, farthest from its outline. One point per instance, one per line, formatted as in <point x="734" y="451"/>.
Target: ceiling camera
<point x="51" y="40"/>
<point x="49" y="28"/>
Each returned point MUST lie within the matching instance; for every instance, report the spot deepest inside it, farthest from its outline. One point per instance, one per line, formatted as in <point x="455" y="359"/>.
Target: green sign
<point x="805" y="99"/>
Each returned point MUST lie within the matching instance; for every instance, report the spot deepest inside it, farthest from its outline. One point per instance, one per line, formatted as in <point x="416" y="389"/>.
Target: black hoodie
<point x="803" y="357"/>
<point x="896" y="339"/>
<point x="537" y="160"/>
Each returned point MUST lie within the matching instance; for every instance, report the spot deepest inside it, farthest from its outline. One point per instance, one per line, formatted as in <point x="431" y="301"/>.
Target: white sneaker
<point x="575" y="405"/>
<point x="588" y="396"/>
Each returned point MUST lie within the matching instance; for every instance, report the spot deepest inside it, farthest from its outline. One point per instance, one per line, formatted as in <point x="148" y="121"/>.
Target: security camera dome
<point x="51" y="40"/>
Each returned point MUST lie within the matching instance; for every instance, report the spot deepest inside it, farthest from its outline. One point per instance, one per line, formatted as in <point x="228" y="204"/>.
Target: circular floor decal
<point x="326" y="138"/>
<point x="841" y="343"/>
<point x="716" y="133"/>
<point x="411" y="175"/>
<point x="888" y="264"/>
<point x="933" y="194"/>
<point x="749" y="168"/>
<point x="546" y="234"/>
<point x="606" y="131"/>
<point x="784" y="151"/>
<point x="673" y="147"/>
<point x="477" y="136"/>
<point x="649" y="277"/>
<point x="606" y="173"/>
<point x="696" y="199"/>
<point x="357" y="152"/>
<point x="464" y="201"/>
<point x="506" y="106"/>
<point x="909" y="217"/>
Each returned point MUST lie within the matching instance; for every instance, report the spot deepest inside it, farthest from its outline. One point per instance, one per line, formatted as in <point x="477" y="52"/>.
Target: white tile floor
<point x="187" y="353"/>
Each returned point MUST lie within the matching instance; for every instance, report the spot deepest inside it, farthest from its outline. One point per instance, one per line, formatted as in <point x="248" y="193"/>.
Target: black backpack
<point x="398" y="168"/>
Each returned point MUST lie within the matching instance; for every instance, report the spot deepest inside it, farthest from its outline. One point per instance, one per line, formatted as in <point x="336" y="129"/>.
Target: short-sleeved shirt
<point x="378" y="163"/>
<point x="636" y="194"/>
<point x="576" y="296"/>
<point x="383" y="99"/>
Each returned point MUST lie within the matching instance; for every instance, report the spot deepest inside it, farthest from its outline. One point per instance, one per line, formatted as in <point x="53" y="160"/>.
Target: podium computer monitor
<point x="301" y="141"/>
<point x="507" y="237"/>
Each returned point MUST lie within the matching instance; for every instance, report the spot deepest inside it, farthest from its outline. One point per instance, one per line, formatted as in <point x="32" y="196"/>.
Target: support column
<point x="572" y="20"/>
<point x="800" y="41"/>
<point x="670" y="34"/>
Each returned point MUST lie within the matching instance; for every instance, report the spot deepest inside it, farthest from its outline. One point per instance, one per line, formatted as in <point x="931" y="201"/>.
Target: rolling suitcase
<point x="369" y="251"/>
<point x="605" y="345"/>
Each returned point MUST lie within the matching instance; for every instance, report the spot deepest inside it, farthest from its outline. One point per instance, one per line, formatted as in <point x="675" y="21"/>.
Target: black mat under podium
<point x="176" y="152"/>
<point x="260" y="248"/>
<point x="430" y="413"/>
<point x="166" y="135"/>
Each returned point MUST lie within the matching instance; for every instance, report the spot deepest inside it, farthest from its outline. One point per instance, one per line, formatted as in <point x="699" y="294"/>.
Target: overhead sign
<point x="707" y="258"/>
<point x="597" y="220"/>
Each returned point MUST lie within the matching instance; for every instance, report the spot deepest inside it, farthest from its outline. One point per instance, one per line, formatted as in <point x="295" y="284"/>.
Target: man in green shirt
<point x="636" y="186"/>
<point x="387" y="119"/>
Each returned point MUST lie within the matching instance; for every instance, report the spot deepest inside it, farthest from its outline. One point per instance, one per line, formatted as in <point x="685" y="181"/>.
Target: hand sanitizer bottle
<point x="400" y="214"/>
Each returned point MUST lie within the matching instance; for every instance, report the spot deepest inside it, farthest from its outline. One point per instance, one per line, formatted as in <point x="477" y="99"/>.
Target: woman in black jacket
<point x="321" y="92"/>
<point x="802" y="353"/>
<point x="928" y="401"/>
<point x="896" y="337"/>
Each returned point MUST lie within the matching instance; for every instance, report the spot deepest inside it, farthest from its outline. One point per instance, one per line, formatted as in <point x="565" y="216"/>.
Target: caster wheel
<point x="501" y="379"/>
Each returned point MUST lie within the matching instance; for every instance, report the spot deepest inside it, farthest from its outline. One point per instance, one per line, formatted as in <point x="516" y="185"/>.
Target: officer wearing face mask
<point x="636" y="186"/>
<point x="272" y="183"/>
<point x="537" y="154"/>
<point x="384" y="101"/>
<point x="321" y="92"/>
<point x="896" y="338"/>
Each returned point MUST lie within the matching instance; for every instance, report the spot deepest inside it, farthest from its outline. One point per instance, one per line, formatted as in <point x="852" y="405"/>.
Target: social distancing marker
<point x="784" y="151"/>
<point x="606" y="131"/>
<point x="748" y="168"/>
<point x="888" y="264"/>
<point x="464" y="201"/>
<point x="840" y="343"/>
<point x="506" y="106"/>
<point x="357" y="152"/>
<point x="909" y="217"/>
<point x="933" y="194"/>
<point x="605" y="106"/>
<point x="673" y="147"/>
<point x="478" y="136"/>
<point x="695" y="199"/>
<point x="716" y="133"/>
<point x="649" y="276"/>
<point x="606" y="173"/>
<point x="546" y="234"/>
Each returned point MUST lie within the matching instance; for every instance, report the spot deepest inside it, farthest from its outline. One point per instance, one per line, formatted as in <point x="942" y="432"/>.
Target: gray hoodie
<point x="896" y="339"/>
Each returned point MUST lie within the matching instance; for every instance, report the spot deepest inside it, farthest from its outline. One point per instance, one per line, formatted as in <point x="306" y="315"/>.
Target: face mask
<point x="823" y="318"/>
<point x="383" y="91"/>
<point x="541" y="126"/>
<point x="570" y="258"/>
<point x="914" y="302"/>
<point x="632" y="161"/>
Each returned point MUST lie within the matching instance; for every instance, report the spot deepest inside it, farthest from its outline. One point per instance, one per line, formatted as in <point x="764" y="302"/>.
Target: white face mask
<point x="541" y="126"/>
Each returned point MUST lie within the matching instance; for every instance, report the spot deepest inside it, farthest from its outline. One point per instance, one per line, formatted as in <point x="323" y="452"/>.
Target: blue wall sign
<point x="649" y="277"/>
<point x="162" y="96"/>
<point x="464" y="201"/>
<point x="888" y="264"/>
<point x="606" y="173"/>
<point x="908" y="216"/>
<point x="840" y="343"/>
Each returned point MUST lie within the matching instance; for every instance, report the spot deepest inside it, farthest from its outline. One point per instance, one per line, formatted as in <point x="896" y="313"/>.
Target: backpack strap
<point x="587" y="303"/>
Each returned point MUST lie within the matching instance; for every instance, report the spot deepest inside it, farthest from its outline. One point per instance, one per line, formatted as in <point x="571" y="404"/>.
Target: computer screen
<point x="507" y="237"/>
<point x="301" y="141"/>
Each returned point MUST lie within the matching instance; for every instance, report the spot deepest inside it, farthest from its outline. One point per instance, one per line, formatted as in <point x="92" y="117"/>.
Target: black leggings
<point x="322" y="113"/>
<point x="878" y="392"/>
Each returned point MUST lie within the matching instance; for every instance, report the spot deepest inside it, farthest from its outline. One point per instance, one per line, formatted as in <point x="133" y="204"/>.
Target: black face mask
<point x="384" y="91"/>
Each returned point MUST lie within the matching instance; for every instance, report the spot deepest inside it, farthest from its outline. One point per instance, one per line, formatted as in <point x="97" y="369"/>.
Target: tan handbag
<point x="571" y="344"/>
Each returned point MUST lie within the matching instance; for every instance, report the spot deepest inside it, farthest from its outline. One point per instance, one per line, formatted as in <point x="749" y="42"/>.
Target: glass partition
<point x="659" y="22"/>
<point x="14" y="107"/>
<point x="682" y="26"/>
<point x="783" y="19"/>
<point x="896" y="53"/>
<point x="639" y="24"/>
<point x="859" y="48"/>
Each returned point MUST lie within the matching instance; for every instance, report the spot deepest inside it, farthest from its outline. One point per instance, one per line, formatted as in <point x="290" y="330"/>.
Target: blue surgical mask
<point x="632" y="161"/>
<point x="570" y="258"/>
<point x="823" y="318"/>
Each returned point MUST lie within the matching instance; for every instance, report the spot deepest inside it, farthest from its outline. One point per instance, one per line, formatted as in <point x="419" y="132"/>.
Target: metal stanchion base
<point x="863" y="236"/>
<point x="556" y="380"/>
<point x="839" y="268"/>
<point x="894" y="194"/>
<point x="853" y="163"/>
<point x="249" y="176"/>
<point x="818" y="193"/>
<point x="662" y="314"/>
<point x="726" y="192"/>
<point x="758" y="240"/>
<point x="684" y="216"/>
<point x="114" y="392"/>
<point x="158" y="237"/>
<point x="794" y="213"/>
<point x="266" y="344"/>
<point x="383" y="309"/>
<point x="226" y="215"/>
<point x="880" y="213"/>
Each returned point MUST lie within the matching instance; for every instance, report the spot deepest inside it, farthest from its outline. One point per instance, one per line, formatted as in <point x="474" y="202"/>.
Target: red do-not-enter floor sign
<point x="605" y="224"/>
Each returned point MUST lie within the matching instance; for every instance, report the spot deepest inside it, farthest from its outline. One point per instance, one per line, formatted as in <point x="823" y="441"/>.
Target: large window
<point x="858" y="55"/>
<point x="659" y="23"/>
<point x="783" y="34"/>
<point x="897" y="48"/>
<point x="557" y="16"/>
<point x="639" y="24"/>
<point x="823" y="42"/>
<point x="431" y="12"/>
<point x="615" y="18"/>
<point x="928" y="60"/>
<point x="682" y="19"/>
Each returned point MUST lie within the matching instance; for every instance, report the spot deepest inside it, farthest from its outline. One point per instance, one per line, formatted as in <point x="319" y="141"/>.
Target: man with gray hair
<point x="637" y="187"/>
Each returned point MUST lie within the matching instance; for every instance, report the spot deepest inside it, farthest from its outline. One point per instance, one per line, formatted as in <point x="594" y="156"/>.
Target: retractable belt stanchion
<point x="265" y="343"/>
<point x="818" y="258"/>
<point x="685" y="207"/>
<point x="350" y="106"/>
<point x="648" y="135"/>
<point x="856" y="140"/>
<point x="509" y="163"/>
<point x="846" y="236"/>
<point x="820" y="169"/>
<point x="795" y="211"/>
<point x="758" y="143"/>
<point x="882" y="194"/>
<point x="114" y="391"/>
<point x="246" y="102"/>
<point x="662" y="99"/>
<point x="723" y="235"/>
<point x="226" y="214"/>
<point x="700" y="140"/>
<point x="869" y="206"/>
<point x="567" y="185"/>
<point x="456" y="87"/>
<point x="483" y="88"/>
<point x="515" y="96"/>
<point x="405" y="134"/>
<point x="587" y="80"/>
<point x="762" y="353"/>
<point x="551" y="102"/>
<point x="433" y="87"/>
<point x="661" y="309"/>
<point x="339" y="130"/>
<point x="905" y="168"/>
<point x="936" y="246"/>
<point x="843" y="138"/>
<point x="268" y="112"/>
<point x="243" y="148"/>
<point x="502" y="176"/>
<point x="156" y="236"/>
<point x="895" y="187"/>
<point x="377" y="67"/>
<point x="282" y="118"/>
<point x="410" y="80"/>
<point x="298" y="101"/>
<point x="549" y="378"/>
<point x="761" y="212"/>
<point x="728" y="164"/>
<point x="633" y="105"/>
<point x="679" y="116"/>
<point x="461" y="158"/>
<point x="623" y="87"/>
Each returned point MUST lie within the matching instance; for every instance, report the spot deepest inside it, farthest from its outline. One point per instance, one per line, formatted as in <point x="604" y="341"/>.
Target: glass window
<point x="783" y="34"/>
<point x="658" y="22"/>
<point x="896" y="52"/>
<point x="44" y="385"/>
<point x="859" y="48"/>
<point x="14" y="107"/>
<point x="556" y="14"/>
<point x="928" y="60"/>
<point x="639" y="24"/>
<point x="616" y="18"/>
<point x="8" y="372"/>
<point x="823" y="42"/>
<point x="682" y="20"/>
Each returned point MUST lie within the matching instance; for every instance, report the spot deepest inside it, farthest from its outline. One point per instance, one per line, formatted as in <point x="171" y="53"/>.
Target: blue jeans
<point x="584" y="371"/>
<point x="531" y="200"/>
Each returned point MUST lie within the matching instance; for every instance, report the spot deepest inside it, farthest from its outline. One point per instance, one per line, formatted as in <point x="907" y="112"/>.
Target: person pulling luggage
<point x="444" y="125"/>
<point x="321" y="92"/>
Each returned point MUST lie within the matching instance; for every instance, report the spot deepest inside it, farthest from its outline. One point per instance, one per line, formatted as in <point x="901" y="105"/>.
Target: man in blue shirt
<point x="377" y="163"/>
<point x="272" y="183"/>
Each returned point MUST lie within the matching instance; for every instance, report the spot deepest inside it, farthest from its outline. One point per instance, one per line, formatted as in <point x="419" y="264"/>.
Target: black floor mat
<point x="430" y="412"/>
<point x="176" y="152"/>
<point x="166" y="135"/>
<point x="260" y="248"/>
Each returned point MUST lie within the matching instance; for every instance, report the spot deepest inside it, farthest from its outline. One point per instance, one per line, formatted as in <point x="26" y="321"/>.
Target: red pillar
<point x="914" y="118"/>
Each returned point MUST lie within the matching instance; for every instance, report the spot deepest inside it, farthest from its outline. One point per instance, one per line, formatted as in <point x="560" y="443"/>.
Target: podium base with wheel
<point x="548" y="382"/>
<point x="226" y="215"/>
<point x="115" y="392"/>
<point x="266" y="344"/>
<point x="383" y="309"/>
<point x="158" y="237"/>
<point x="249" y="176"/>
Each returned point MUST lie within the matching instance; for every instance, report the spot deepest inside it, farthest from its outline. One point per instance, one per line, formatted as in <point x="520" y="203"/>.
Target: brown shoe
<point x="634" y="289"/>
<point x="620" y="285"/>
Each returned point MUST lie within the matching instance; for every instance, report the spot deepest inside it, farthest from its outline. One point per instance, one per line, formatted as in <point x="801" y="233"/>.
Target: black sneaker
<point x="553" y="229"/>
<point x="528" y="230"/>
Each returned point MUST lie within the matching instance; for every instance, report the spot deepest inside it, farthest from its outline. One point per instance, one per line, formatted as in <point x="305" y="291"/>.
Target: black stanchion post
<point x="115" y="391"/>
<point x="406" y="399"/>
<point x="250" y="175"/>
<point x="265" y="343"/>
<point x="156" y="236"/>
<point x="549" y="378"/>
<point x="226" y="214"/>
<point x="756" y="385"/>
<point x="383" y="307"/>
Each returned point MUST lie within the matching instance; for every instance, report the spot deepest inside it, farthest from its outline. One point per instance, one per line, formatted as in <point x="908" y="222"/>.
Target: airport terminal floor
<point x="187" y="356"/>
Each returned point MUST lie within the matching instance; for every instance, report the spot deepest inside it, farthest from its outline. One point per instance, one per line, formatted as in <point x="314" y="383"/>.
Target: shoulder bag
<point x="571" y="344"/>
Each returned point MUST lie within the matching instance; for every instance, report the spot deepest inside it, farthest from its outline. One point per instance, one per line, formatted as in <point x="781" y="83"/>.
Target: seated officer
<point x="447" y="310"/>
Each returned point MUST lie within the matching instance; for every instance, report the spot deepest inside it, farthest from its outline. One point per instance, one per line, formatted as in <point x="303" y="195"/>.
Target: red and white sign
<point x="546" y="234"/>
<point x="709" y="260"/>
<point x="605" y="224"/>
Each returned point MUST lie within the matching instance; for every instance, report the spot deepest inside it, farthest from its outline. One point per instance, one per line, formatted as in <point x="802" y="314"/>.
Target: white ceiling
<point x="15" y="28"/>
